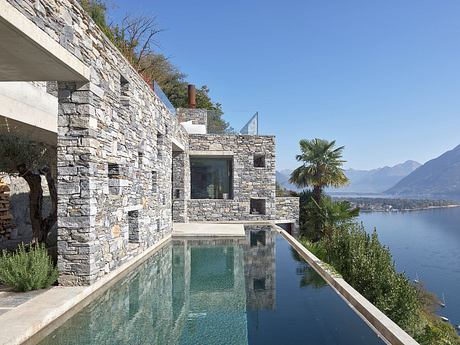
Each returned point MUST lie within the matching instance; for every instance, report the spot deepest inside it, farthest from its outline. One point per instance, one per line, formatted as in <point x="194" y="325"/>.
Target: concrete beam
<point x="23" y="102"/>
<point x="27" y="53"/>
<point x="212" y="153"/>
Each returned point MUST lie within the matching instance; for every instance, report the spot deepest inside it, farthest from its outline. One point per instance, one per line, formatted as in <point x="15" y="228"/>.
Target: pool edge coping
<point x="24" y="324"/>
<point x="373" y="316"/>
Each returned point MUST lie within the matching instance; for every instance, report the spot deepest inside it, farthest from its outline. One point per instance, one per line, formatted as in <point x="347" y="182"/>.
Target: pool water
<point x="210" y="292"/>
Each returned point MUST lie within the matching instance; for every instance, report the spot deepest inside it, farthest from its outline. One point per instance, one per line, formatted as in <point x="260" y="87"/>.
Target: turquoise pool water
<point x="211" y="292"/>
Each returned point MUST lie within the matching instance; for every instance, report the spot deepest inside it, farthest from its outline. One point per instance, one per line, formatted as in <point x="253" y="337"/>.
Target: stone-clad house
<point x="128" y="166"/>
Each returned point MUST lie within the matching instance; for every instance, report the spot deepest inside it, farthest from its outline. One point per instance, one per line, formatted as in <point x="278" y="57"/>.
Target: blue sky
<point x="380" y="77"/>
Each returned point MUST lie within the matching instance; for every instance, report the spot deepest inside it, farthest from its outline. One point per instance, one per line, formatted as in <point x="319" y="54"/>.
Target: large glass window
<point x="211" y="178"/>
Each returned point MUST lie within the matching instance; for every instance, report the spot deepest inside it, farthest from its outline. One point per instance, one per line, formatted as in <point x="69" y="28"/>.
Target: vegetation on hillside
<point x="366" y="204"/>
<point x="330" y="230"/>
<point x="135" y="37"/>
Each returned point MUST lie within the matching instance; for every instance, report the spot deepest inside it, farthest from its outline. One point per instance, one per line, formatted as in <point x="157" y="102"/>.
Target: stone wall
<point x="19" y="210"/>
<point x="114" y="136"/>
<point x="118" y="147"/>
<point x="197" y="116"/>
<point x="249" y="182"/>
<point x="180" y="186"/>
<point x="287" y="208"/>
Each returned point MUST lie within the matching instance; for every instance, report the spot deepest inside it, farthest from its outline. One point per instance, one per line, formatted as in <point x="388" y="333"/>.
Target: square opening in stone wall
<point x="114" y="170"/>
<point x="159" y="145"/>
<point x="257" y="206"/>
<point x="140" y="158"/>
<point x="133" y="226"/>
<point x="177" y="193"/>
<point x="154" y="181"/>
<point x="124" y="84"/>
<point x="258" y="284"/>
<point x="259" y="161"/>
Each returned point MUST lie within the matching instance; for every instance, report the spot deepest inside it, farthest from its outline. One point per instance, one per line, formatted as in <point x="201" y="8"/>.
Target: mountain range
<point x="373" y="181"/>
<point x="438" y="178"/>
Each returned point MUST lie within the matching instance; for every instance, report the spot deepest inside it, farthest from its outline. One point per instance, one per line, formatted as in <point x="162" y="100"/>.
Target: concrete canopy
<point x="28" y="54"/>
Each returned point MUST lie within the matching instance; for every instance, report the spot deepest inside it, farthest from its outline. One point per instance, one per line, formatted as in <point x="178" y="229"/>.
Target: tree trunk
<point x="317" y="193"/>
<point x="318" y="224"/>
<point x="48" y="222"/>
<point x="35" y="200"/>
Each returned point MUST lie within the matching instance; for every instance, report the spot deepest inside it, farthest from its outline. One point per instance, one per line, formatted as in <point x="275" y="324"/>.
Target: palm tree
<point x="321" y="166"/>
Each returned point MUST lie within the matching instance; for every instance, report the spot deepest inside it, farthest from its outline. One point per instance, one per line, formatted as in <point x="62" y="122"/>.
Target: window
<point x="114" y="170"/>
<point x="124" y="91"/>
<point x="159" y="144"/>
<point x="259" y="161"/>
<point x="177" y="194"/>
<point x="140" y="157"/>
<point x="211" y="178"/>
<point x="154" y="182"/>
<point x="133" y="226"/>
<point x="257" y="206"/>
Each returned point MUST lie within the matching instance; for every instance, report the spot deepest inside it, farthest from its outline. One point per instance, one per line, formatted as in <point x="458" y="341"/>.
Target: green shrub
<point x="26" y="270"/>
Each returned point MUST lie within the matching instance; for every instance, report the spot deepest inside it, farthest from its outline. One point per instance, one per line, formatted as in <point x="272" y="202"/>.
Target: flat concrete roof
<point x="27" y="53"/>
<point x="207" y="230"/>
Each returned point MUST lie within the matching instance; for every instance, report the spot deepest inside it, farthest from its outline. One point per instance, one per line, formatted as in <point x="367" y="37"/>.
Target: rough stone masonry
<point x="118" y="150"/>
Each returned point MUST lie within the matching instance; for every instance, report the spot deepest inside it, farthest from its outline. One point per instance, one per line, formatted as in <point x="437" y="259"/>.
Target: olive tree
<point x="30" y="160"/>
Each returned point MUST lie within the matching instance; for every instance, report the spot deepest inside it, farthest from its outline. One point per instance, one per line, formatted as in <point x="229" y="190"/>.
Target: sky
<point x="381" y="77"/>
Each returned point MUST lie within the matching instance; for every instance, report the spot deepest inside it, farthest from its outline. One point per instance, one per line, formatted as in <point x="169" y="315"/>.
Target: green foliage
<point x="321" y="166"/>
<point x="437" y="332"/>
<point x="27" y="270"/>
<point x="320" y="219"/>
<point x="18" y="150"/>
<point x="97" y="11"/>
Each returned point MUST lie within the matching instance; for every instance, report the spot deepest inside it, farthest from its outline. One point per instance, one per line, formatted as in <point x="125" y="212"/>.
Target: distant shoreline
<point x="409" y="209"/>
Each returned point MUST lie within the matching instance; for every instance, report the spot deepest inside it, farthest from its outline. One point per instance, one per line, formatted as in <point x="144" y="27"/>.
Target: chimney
<point x="191" y="96"/>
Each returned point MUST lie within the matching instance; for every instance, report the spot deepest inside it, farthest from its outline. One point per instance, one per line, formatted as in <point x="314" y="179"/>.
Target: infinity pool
<point x="211" y="292"/>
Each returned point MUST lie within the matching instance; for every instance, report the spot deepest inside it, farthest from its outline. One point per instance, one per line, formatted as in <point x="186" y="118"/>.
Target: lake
<point x="425" y="244"/>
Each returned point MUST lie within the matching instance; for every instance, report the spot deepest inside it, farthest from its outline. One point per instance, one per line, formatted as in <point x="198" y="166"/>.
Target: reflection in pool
<point x="220" y="291"/>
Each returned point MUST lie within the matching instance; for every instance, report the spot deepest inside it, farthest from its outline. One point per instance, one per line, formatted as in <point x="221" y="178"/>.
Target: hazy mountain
<point x="437" y="178"/>
<point x="364" y="181"/>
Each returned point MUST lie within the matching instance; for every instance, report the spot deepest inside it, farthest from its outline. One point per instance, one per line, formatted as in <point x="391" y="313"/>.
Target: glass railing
<point x="217" y="124"/>
<point x="159" y="92"/>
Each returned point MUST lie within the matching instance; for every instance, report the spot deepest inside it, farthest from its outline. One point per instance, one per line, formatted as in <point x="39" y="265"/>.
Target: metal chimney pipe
<point x="191" y="96"/>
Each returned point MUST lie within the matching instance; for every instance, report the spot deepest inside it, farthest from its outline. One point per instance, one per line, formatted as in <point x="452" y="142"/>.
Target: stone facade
<point x="197" y="116"/>
<point x="287" y="208"/>
<point x="114" y="136"/>
<point x="123" y="159"/>
<point x="249" y="182"/>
